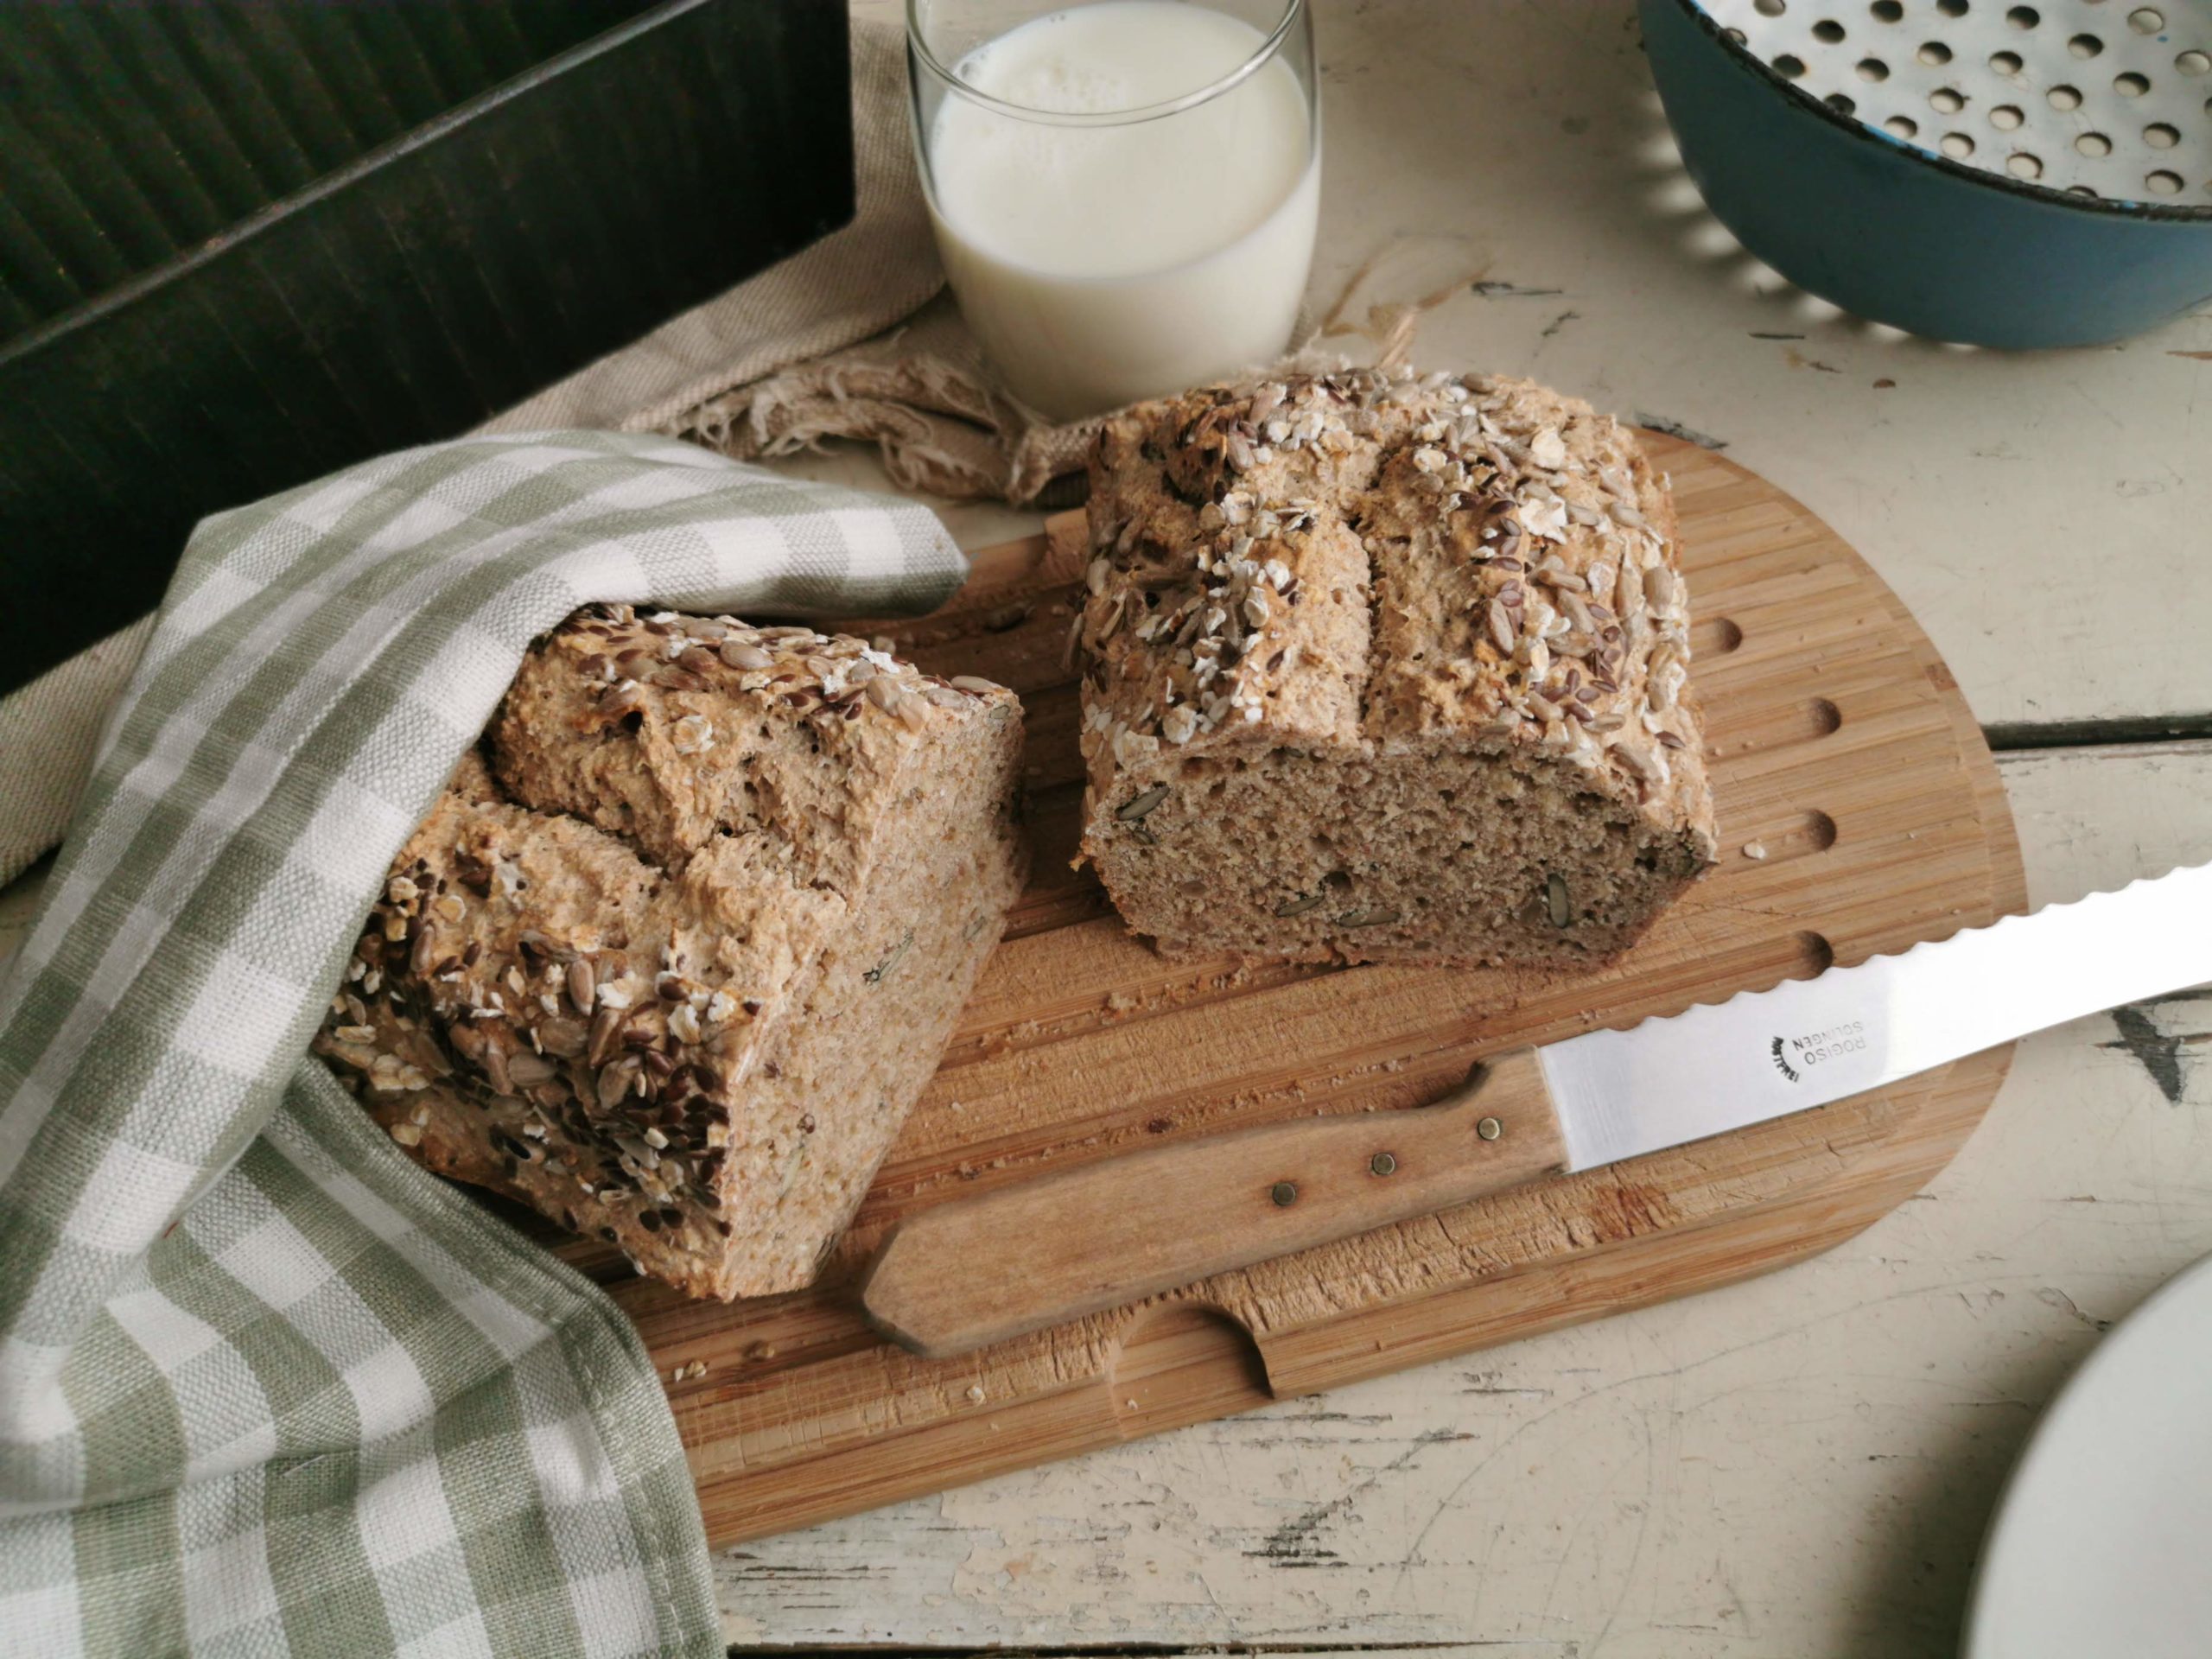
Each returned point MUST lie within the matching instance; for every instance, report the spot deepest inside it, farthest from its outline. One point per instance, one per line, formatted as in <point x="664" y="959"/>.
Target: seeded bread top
<point x="725" y="728"/>
<point x="705" y="802"/>
<point x="554" y="957"/>
<point x="1361" y="561"/>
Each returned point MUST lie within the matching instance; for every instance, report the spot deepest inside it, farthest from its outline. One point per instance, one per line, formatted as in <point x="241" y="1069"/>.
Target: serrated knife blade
<point x="1763" y="1054"/>
<point x="1103" y="1234"/>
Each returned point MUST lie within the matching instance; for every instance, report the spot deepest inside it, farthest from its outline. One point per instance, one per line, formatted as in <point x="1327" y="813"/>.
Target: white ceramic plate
<point x="2103" y="1542"/>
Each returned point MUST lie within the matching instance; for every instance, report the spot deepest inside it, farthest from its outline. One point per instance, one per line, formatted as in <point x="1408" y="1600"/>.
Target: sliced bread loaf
<point x="1387" y="668"/>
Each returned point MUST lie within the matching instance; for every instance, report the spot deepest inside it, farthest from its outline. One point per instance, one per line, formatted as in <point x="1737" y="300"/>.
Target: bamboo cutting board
<point x="1839" y="747"/>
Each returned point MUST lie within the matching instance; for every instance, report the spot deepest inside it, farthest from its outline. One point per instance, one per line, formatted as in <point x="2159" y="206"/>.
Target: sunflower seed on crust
<point x="1135" y="808"/>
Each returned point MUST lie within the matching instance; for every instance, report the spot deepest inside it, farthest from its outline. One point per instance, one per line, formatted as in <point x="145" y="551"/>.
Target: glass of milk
<point x="1124" y="191"/>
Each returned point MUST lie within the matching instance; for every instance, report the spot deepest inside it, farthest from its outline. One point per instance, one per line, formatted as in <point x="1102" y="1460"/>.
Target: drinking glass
<point x="1124" y="192"/>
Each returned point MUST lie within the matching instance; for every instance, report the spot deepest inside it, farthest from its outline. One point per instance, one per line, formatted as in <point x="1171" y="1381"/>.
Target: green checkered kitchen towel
<point x="265" y="1387"/>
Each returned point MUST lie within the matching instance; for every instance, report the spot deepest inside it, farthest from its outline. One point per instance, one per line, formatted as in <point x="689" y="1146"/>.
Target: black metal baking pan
<point x="245" y="242"/>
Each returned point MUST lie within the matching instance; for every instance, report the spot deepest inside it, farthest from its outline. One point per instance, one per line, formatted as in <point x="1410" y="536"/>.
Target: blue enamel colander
<point x="2005" y="175"/>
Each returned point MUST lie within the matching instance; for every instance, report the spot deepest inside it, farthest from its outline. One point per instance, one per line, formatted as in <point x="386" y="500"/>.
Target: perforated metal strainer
<point x="2099" y="98"/>
<point x="1974" y="169"/>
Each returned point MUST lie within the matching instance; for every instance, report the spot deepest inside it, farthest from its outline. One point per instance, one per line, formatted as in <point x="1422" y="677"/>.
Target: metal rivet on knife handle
<point x="1383" y="1163"/>
<point x="1284" y="1193"/>
<point x="1489" y="1129"/>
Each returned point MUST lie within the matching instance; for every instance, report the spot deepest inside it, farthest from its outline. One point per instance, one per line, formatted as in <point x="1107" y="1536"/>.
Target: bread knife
<point x="981" y="1269"/>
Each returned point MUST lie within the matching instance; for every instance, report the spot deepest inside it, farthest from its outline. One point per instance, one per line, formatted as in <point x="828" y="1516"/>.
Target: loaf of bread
<point x="1385" y="668"/>
<point x="672" y="968"/>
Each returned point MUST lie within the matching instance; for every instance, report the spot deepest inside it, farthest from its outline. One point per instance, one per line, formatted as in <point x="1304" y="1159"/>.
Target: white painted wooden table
<point x="1802" y="1465"/>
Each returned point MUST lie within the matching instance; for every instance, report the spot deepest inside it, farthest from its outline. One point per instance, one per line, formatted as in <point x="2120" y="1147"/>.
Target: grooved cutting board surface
<point x="1839" y="744"/>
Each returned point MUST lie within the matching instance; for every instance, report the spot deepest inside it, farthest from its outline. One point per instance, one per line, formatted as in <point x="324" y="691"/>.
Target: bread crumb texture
<point x="1386" y="667"/>
<point x="671" y="957"/>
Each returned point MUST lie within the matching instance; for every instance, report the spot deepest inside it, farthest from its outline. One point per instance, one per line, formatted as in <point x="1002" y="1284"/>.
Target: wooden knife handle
<point x="979" y="1270"/>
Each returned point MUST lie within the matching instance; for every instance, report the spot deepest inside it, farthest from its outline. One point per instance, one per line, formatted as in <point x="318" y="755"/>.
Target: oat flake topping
<point x="1574" y="624"/>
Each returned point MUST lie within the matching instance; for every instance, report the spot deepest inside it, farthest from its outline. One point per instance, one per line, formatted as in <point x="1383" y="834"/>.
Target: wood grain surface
<point x="1106" y="1233"/>
<point x="1839" y="749"/>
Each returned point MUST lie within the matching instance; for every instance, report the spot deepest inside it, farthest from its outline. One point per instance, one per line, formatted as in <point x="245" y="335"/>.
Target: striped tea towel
<point x="265" y="1387"/>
